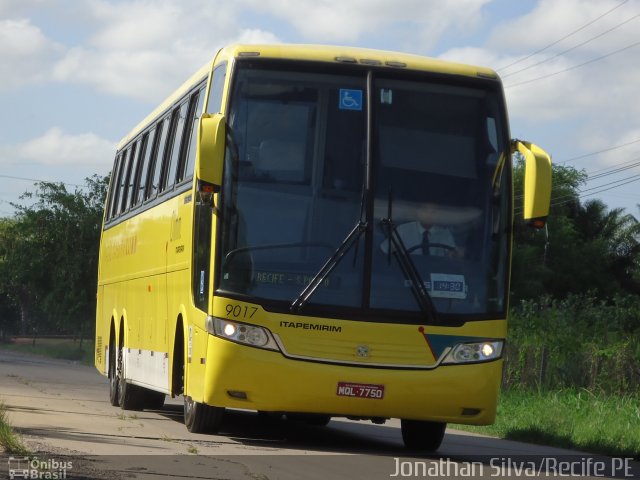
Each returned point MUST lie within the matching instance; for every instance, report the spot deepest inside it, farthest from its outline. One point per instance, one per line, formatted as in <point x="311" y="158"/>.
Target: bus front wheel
<point x="199" y="417"/>
<point x="422" y="435"/>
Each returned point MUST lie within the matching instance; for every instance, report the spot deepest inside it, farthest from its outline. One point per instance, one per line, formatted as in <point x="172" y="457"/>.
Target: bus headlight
<point x="475" y="352"/>
<point x="243" y="333"/>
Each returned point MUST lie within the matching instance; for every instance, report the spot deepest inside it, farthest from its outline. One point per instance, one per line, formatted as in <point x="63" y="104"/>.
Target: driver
<point x="424" y="236"/>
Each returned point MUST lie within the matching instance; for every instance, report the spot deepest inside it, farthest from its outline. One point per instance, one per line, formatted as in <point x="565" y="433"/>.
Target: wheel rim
<point x="113" y="381"/>
<point x="113" y="385"/>
<point x="120" y="378"/>
<point x="189" y="406"/>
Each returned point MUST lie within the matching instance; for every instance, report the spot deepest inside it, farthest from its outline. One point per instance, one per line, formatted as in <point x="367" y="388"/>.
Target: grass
<point x="66" y="349"/>
<point x="9" y="441"/>
<point x="581" y="420"/>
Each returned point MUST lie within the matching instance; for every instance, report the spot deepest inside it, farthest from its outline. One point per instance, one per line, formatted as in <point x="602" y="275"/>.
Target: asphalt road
<point x="62" y="412"/>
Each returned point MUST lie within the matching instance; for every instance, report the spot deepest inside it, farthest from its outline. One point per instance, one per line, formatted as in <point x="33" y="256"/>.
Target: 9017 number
<point x="240" y="311"/>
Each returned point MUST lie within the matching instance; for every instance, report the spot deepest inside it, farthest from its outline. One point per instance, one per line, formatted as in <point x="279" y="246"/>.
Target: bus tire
<point x="114" y="378"/>
<point x="131" y="396"/>
<point x="199" y="417"/>
<point x="422" y="435"/>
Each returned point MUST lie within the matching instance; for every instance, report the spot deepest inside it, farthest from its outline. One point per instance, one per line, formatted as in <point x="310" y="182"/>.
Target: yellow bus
<point x="316" y="232"/>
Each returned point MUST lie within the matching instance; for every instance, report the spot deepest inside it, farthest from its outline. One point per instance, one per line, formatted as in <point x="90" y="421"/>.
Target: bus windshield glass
<point x="389" y="181"/>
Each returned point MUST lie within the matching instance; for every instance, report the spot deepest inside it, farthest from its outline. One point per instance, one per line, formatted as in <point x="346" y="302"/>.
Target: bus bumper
<point x="237" y="376"/>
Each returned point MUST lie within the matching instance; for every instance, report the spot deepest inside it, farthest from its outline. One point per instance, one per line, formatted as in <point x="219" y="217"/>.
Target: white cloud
<point x="25" y="53"/>
<point x="255" y="35"/>
<point x="10" y="8"/>
<point x="146" y="75"/>
<point x="551" y="86"/>
<point x="144" y="49"/>
<point x="552" y="20"/>
<point x="55" y="147"/>
<point x="331" y="21"/>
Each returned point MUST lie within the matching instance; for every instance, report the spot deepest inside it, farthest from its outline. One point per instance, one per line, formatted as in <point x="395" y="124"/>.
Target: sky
<point x="77" y="75"/>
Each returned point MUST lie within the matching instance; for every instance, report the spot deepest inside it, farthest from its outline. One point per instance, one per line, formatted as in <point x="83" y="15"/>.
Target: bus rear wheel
<point x="114" y="380"/>
<point x="422" y="435"/>
<point x="199" y="417"/>
<point x="131" y="397"/>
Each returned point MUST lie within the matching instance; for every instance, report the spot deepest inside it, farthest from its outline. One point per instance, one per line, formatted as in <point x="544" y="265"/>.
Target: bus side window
<point x="126" y="179"/>
<point x="214" y="105"/>
<point x="112" y="188"/>
<point x="135" y="173"/>
<point x="195" y="110"/>
<point x="158" y="154"/>
<point x="174" y="153"/>
<point x="122" y="184"/>
<point x="147" y="149"/>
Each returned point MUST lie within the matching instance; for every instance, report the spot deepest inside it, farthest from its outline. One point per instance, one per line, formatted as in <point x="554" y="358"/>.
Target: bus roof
<point x="315" y="53"/>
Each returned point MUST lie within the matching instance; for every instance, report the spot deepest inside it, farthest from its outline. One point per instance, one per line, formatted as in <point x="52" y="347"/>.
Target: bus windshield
<point x="391" y="190"/>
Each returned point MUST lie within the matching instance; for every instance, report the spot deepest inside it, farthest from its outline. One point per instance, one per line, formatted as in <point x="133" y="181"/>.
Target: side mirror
<point x="211" y="148"/>
<point x="537" y="183"/>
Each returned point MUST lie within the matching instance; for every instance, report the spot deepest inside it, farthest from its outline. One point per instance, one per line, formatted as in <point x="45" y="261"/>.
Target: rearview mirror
<point x="211" y="148"/>
<point x="537" y="183"/>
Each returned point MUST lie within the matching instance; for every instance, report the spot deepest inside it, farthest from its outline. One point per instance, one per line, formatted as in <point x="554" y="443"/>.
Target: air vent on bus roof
<point x="366" y="61"/>
<point x="346" y="60"/>
<point x="396" y="64"/>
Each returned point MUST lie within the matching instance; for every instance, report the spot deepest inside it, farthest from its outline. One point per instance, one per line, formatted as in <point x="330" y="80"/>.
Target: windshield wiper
<point x="408" y="267"/>
<point x="361" y="226"/>
<point x="333" y="261"/>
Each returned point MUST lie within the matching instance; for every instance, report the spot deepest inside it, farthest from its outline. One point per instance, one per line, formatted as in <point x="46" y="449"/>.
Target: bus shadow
<point x="252" y="429"/>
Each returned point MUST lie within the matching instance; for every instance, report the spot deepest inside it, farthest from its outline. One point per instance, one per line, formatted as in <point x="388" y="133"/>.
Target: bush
<point x="578" y="342"/>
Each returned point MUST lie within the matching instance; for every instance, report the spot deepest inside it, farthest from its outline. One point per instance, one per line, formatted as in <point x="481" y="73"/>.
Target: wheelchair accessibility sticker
<point x="350" y="99"/>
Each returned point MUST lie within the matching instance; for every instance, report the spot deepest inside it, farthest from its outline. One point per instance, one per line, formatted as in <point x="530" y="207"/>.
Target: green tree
<point x="585" y="246"/>
<point x="49" y="256"/>
<point x="616" y="235"/>
<point x="539" y="255"/>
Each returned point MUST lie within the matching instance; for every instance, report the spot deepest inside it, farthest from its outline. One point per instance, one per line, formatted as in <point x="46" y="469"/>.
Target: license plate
<point x="361" y="390"/>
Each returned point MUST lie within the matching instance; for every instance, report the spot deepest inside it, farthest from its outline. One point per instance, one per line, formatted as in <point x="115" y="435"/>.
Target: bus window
<point x="195" y="109"/>
<point x="122" y="181"/>
<point x="214" y="105"/>
<point x="135" y="174"/>
<point x="113" y="189"/>
<point x="147" y="147"/>
<point x="156" y="168"/>
<point x="173" y="155"/>
<point x="126" y="179"/>
<point x="142" y="168"/>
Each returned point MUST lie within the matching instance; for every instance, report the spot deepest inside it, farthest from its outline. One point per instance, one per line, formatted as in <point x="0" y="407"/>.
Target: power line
<point x="572" y="48"/>
<point x="605" y="172"/>
<point x="611" y="183"/>
<point x="615" y="147"/>
<point x="613" y="170"/>
<point x="581" y="193"/>
<point x="25" y="179"/>
<point x="574" y="67"/>
<point x="563" y="38"/>
<point x="603" y="190"/>
<point x="601" y="173"/>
